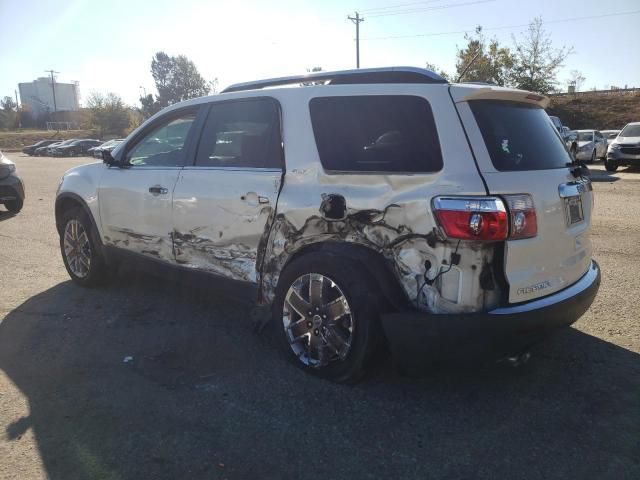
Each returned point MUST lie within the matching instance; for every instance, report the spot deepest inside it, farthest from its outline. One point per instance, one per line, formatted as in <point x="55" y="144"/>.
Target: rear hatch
<point x="519" y="151"/>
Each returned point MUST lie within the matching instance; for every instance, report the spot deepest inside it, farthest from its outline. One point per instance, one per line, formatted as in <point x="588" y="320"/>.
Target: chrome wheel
<point x="77" y="249"/>
<point x="317" y="320"/>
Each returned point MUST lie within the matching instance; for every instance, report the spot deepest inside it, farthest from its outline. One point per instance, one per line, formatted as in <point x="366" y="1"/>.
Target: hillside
<point x="601" y="112"/>
<point x="15" y="140"/>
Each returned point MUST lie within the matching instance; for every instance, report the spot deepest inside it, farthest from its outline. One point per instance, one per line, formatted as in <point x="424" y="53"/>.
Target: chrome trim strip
<point x="573" y="189"/>
<point x="581" y="285"/>
<point x="469" y="204"/>
<point x="235" y="169"/>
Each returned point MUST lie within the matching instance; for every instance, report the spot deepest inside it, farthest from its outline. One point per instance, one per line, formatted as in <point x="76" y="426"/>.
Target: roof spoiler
<point x="467" y="92"/>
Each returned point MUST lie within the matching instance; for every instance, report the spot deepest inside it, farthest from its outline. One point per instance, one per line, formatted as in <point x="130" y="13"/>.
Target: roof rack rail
<point x="342" y="77"/>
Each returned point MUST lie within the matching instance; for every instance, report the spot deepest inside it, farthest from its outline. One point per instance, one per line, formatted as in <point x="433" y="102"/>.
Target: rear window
<point x="519" y="136"/>
<point x="392" y="133"/>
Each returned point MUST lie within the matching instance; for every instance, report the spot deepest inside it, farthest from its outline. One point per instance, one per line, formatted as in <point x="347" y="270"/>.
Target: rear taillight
<point x="522" y="213"/>
<point x="472" y="218"/>
<point x="486" y="218"/>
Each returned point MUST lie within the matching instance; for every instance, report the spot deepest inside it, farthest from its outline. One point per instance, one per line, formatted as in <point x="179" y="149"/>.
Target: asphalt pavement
<point x="156" y="378"/>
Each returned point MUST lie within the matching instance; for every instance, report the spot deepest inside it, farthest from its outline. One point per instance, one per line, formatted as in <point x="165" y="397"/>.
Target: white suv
<point x="375" y="204"/>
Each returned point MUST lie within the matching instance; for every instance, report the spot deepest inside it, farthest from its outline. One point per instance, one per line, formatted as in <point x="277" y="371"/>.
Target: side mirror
<point x="108" y="159"/>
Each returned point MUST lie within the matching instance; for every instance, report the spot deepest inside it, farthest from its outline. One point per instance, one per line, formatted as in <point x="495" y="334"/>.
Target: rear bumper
<point x="417" y="338"/>
<point x="11" y="188"/>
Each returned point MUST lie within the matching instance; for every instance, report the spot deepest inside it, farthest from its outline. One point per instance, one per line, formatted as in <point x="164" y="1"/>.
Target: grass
<point x="601" y="112"/>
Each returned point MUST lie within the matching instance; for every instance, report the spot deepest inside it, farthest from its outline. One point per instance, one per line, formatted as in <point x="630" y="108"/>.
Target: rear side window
<point x="242" y="134"/>
<point x="376" y="134"/>
<point x="519" y="136"/>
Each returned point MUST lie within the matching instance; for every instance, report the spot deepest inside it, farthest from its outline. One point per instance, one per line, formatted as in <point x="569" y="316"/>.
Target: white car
<point x="610" y="135"/>
<point x="591" y="145"/>
<point x="625" y="148"/>
<point x="373" y="205"/>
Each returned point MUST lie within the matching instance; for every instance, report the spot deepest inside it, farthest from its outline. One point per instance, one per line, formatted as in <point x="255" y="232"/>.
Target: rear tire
<point x="610" y="165"/>
<point x="310" y="339"/>
<point x="80" y="249"/>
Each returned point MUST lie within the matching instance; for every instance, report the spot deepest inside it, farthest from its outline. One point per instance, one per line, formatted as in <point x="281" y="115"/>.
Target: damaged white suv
<point x="364" y="206"/>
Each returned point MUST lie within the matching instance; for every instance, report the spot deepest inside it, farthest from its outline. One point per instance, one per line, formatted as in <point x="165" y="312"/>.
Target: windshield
<point x="67" y="142"/>
<point x="585" y="136"/>
<point x="519" y="136"/>
<point x="630" y="131"/>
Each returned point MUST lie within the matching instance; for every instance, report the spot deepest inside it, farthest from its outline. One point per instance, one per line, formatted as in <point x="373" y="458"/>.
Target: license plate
<point x="573" y="207"/>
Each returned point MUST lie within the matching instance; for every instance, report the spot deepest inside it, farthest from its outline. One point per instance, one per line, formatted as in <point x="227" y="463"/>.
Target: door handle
<point x="158" y="190"/>
<point x="252" y="198"/>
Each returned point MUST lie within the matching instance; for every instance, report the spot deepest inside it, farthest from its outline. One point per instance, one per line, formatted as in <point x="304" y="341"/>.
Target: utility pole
<point x="356" y="20"/>
<point x="53" y="89"/>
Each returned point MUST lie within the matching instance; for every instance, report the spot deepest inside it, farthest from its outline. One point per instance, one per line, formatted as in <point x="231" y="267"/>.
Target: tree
<point x="447" y="76"/>
<point x="8" y="105"/>
<point x="109" y="114"/>
<point x="484" y="61"/>
<point x="576" y="79"/>
<point x="177" y="79"/>
<point x="150" y="106"/>
<point x="536" y="60"/>
<point x="312" y="70"/>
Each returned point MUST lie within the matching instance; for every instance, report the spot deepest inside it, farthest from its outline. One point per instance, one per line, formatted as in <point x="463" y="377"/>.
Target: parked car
<point x="609" y="135"/>
<point x="50" y="151"/>
<point x="31" y="149"/>
<point x="568" y="136"/>
<point x="11" y="186"/>
<point x="108" y="145"/>
<point x="356" y="210"/>
<point x="42" y="151"/>
<point x="591" y="145"/>
<point x="75" y="148"/>
<point x="625" y="148"/>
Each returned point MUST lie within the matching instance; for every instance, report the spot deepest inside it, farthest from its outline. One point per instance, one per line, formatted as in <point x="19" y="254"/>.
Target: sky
<point x="107" y="46"/>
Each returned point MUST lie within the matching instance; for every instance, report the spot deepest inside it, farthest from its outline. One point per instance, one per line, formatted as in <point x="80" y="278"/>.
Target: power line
<point x="427" y="9"/>
<point x="390" y="7"/>
<point x="503" y="27"/>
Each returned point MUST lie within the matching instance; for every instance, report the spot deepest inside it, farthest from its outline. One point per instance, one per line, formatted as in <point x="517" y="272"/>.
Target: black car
<point x="11" y="187"/>
<point x="76" y="148"/>
<point x="31" y="149"/>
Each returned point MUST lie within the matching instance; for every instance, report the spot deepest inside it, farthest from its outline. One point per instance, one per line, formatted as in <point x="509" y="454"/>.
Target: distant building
<point x="37" y="97"/>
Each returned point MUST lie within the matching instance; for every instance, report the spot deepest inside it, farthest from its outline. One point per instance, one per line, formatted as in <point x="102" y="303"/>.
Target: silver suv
<point x="370" y="206"/>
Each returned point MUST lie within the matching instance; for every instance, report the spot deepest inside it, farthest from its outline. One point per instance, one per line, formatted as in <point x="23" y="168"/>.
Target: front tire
<point x="325" y="317"/>
<point x="610" y="165"/>
<point x="80" y="250"/>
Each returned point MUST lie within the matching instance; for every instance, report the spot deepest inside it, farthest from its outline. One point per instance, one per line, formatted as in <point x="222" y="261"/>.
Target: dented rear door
<point x="224" y="204"/>
<point x="519" y="152"/>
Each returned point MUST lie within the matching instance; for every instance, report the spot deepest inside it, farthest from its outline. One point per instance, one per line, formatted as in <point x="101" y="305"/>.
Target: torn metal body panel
<point x="397" y="224"/>
<point x="220" y="219"/>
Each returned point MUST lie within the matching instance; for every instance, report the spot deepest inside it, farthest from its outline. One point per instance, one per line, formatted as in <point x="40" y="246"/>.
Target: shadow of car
<point x="151" y="379"/>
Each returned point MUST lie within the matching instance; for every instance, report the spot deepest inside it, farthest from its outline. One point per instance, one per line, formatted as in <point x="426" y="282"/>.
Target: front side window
<point x="585" y="136"/>
<point x="242" y="134"/>
<point x="164" y="146"/>
<point x="519" y="136"/>
<point x="376" y="133"/>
